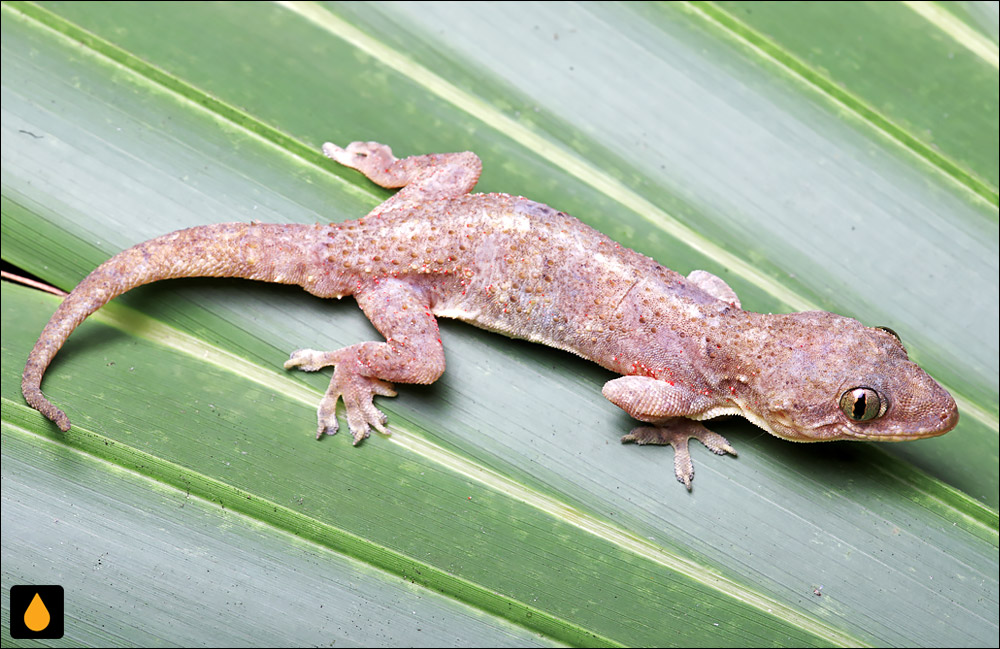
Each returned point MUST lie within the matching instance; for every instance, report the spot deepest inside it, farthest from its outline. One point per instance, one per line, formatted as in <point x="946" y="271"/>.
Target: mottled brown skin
<point x="508" y="264"/>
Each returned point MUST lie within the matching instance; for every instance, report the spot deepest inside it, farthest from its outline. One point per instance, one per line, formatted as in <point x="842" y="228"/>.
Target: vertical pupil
<point x="859" y="404"/>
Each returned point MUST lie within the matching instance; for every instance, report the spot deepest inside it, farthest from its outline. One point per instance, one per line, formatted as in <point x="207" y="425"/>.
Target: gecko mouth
<point x="928" y="427"/>
<point x="833" y="428"/>
<point x="900" y="436"/>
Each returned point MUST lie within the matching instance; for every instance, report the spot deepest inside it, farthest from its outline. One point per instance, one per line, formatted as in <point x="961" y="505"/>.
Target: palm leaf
<point x="763" y="144"/>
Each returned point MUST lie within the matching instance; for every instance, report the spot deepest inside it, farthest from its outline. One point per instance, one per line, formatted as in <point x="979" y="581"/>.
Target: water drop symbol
<point x="37" y="616"/>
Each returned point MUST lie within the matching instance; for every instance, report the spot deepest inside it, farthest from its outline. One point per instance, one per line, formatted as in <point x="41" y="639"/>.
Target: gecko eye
<point x="863" y="404"/>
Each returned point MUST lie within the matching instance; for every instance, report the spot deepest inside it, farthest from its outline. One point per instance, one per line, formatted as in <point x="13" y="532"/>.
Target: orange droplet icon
<point x="36" y="617"/>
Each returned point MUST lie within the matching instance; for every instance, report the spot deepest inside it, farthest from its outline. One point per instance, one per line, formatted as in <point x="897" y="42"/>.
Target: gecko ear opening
<point x="863" y="404"/>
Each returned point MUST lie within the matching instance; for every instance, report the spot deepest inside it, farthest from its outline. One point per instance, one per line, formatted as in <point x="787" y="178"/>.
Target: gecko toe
<point x="327" y="416"/>
<point x="376" y="418"/>
<point x="331" y="150"/>
<point x="683" y="466"/>
<point x="309" y="360"/>
<point x="324" y="430"/>
<point x="360" y="155"/>
<point x="715" y="442"/>
<point x="646" y="435"/>
<point x="360" y="436"/>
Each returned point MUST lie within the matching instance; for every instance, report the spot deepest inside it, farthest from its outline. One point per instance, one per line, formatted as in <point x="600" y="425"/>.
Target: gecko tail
<point x="33" y="395"/>
<point x="267" y="252"/>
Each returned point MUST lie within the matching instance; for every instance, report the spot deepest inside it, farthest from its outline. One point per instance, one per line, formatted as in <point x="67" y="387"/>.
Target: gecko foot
<point x="677" y="433"/>
<point x="357" y="391"/>
<point x="363" y="156"/>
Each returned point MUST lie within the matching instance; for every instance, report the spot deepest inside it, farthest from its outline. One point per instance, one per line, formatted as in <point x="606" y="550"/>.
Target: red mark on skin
<point x="641" y="369"/>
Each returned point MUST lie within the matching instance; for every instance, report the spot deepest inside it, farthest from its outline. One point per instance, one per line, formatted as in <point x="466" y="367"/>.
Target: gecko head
<point x="833" y="378"/>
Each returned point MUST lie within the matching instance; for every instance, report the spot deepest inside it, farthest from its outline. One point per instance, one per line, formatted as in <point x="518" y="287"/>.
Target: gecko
<point x="684" y="347"/>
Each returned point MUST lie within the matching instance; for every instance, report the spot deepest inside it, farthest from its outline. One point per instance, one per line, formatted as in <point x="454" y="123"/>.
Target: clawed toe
<point x="358" y="393"/>
<point x="310" y="360"/>
<point x="337" y="154"/>
<point x="362" y="416"/>
<point x="326" y="416"/>
<point x="357" y="154"/>
<point x="715" y="442"/>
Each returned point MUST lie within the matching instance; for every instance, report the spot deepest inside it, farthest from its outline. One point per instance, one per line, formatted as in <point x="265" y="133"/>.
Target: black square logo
<point x="36" y="612"/>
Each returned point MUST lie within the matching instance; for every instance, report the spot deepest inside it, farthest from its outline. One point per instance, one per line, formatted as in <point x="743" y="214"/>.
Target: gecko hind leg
<point x="676" y="433"/>
<point x="412" y="353"/>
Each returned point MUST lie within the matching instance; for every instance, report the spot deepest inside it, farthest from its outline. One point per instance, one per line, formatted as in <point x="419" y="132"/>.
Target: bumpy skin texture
<point x="687" y="350"/>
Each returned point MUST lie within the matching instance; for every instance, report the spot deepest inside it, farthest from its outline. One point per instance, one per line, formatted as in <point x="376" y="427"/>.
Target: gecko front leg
<point x="667" y="406"/>
<point x="412" y="353"/>
<point x="423" y="178"/>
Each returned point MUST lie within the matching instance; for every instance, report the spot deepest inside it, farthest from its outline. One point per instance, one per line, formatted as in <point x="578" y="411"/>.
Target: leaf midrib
<point x="792" y="66"/>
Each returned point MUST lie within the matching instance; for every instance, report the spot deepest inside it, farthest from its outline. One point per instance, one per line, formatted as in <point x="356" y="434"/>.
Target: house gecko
<point x="685" y="347"/>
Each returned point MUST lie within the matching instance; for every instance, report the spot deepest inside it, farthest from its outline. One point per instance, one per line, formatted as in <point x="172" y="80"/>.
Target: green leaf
<point x="768" y="147"/>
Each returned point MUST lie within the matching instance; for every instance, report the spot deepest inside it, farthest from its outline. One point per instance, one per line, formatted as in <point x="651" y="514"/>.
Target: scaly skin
<point x="687" y="350"/>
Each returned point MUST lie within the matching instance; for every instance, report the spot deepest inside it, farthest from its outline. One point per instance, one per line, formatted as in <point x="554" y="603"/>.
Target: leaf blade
<point x="589" y="485"/>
